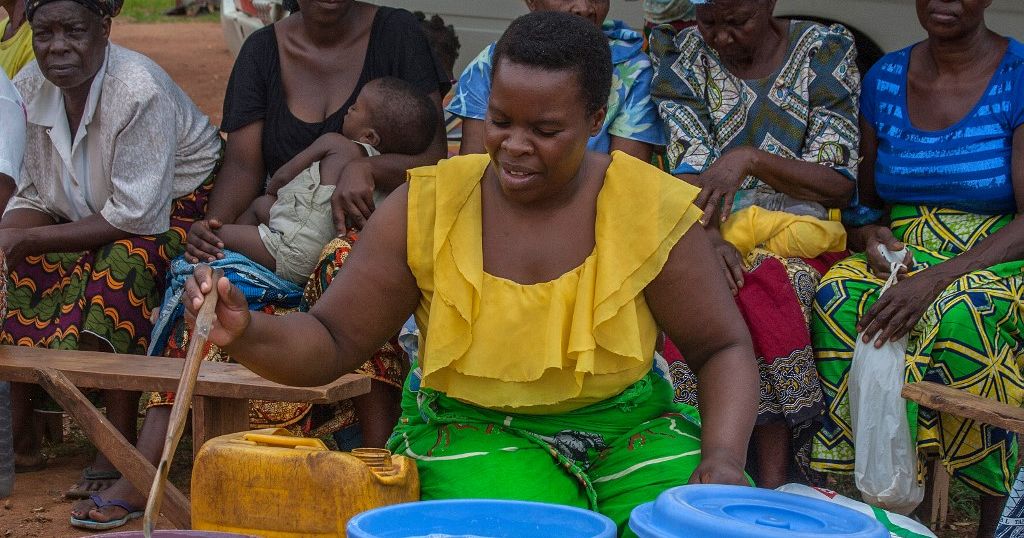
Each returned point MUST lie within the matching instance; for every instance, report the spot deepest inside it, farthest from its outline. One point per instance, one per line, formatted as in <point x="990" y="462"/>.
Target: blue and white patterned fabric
<point x="260" y="286"/>
<point x="964" y="167"/>
<point x="631" y="113"/>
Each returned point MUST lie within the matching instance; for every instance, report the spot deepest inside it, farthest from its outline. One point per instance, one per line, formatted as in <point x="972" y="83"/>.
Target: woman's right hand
<point x="875" y="235"/>
<point x="203" y="243"/>
<point x="729" y="259"/>
<point x="232" y="312"/>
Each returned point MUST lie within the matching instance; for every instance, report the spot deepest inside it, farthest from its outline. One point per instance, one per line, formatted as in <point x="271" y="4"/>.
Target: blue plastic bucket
<point x="479" y="518"/>
<point x="741" y="512"/>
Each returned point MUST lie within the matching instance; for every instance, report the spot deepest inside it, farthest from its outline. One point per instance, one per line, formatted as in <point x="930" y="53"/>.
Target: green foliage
<point x="153" y="11"/>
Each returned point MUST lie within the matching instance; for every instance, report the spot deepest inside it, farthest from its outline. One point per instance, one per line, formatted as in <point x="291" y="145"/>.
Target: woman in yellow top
<point x="15" y="38"/>
<point x="539" y="275"/>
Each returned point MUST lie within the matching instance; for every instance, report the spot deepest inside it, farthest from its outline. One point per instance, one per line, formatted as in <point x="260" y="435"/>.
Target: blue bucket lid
<point x="479" y="518"/>
<point x="742" y="512"/>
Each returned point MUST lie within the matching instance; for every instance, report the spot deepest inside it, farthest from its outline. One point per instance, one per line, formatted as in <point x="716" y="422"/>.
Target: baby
<point x="286" y="229"/>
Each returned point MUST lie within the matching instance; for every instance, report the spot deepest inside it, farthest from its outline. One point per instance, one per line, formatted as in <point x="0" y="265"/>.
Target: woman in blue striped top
<point x="943" y="148"/>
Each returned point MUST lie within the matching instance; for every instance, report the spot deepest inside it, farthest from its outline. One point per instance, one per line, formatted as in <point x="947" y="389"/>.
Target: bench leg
<point x="213" y="417"/>
<point x="125" y="457"/>
<point x="940" y="495"/>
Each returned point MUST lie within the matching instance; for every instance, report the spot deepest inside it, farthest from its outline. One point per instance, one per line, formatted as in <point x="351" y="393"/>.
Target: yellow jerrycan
<point x="273" y="484"/>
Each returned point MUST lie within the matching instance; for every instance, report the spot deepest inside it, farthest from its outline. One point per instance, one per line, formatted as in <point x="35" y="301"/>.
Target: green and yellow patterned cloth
<point x="970" y="338"/>
<point x="110" y="292"/>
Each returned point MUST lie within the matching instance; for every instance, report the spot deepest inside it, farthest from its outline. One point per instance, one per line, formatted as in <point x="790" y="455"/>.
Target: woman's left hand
<point x="718" y="470"/>
<point x="895" y="313"/>
<point x="353" y="197"/>
<point x="720" y="182"/>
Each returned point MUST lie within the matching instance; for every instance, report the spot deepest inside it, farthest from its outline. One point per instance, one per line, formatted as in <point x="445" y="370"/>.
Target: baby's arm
<point x="332" y="149"/>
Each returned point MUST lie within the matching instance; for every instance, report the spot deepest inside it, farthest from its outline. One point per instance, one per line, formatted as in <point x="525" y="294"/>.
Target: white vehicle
<point x="878" y="25"/>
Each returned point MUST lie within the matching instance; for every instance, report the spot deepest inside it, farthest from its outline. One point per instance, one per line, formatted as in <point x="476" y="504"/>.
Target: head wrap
<point x="103" y="8"/>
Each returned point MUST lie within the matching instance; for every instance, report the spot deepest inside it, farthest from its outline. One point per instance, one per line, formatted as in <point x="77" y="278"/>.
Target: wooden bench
<point x="220" y="405"/>
<point x="945" y="399"/>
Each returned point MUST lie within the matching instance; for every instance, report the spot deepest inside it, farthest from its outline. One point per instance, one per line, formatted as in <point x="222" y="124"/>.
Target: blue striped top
<point x="966" y="166"/>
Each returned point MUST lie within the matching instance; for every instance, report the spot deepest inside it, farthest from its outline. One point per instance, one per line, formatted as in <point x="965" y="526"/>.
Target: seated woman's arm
<point x="238" y="183"/>
<point x="354" y="196"/>
<point x="691" y="302"/>
<point x="898" y="310"/>
<point x="369" y="300"/>
<point x="12" y="143"/>
<point x="27" y="232"/>
<point x="800" y="179"/>
<point x="472" y="137"/>
<point x="636" y="148"/>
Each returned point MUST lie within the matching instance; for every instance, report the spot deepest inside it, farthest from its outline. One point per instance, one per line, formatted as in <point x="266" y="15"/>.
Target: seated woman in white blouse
<point x="119" y="164"/>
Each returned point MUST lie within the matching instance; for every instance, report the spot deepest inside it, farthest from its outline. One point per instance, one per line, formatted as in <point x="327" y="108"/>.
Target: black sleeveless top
<point x="255" y="92"/>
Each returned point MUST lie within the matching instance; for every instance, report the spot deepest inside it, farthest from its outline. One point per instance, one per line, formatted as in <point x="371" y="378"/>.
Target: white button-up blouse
<point x="141" y="143"/>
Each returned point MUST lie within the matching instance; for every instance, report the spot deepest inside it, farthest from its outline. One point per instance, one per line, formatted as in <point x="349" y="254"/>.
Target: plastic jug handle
<point x="285" y="441"/>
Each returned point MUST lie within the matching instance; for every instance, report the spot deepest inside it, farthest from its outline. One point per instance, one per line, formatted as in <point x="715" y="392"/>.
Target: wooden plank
<point x="945" y="399"/>
<point x="140" y="373"/>
<point x="125" y="457"/>
<point x="213" y="417"/>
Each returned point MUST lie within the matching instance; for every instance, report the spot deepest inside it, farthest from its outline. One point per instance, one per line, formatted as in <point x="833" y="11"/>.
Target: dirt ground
<point x="193" y="53"/>
<point x="195" y="56"/>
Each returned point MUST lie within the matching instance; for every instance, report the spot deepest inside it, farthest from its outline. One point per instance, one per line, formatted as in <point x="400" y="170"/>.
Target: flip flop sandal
<point x="81" y="489"/>
<point x="133" y="513"/>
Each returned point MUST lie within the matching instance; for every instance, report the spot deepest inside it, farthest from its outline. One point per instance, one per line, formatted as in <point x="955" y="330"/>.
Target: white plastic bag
<point x="885" y="461"/>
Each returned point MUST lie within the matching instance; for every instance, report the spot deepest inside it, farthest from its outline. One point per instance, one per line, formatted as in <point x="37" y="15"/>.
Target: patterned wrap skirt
<point x="109" y="292"/>
<point x="775" y="302"/>
<point x="608" y="457"/>
<point x="388" y="365"/>
<point x="971" y="338"/>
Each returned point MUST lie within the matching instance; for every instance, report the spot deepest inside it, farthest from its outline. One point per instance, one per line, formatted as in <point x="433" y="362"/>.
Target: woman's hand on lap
<point x="896" y="312"/>
<point x="13" y="243"/>
<point x="881" y="235"/>
<point x="203" y="243"/>
<point x="353" y="197"/>
<point x="720" y="182"/>
<point x="232" y="313"/>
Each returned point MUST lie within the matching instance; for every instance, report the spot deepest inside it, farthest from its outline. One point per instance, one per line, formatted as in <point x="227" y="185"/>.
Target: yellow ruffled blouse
<point x="554" y="346"/>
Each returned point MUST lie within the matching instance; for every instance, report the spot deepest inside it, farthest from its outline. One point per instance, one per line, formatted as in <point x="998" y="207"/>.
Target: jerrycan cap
<point x="742" y="512"/>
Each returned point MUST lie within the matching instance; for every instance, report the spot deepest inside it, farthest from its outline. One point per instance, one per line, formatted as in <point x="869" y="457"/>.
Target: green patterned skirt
<point x="609" y="457"/>
<point x="971" y="338"/>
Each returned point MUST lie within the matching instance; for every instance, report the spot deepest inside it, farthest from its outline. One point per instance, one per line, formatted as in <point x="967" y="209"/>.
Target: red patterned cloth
<point x="775" y="302"/>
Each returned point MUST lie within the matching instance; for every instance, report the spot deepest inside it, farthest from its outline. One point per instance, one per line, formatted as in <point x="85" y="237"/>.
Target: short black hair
<point x="442" y="37"/>
<point x="560" y="41"/>
<point x="404" y="117"/>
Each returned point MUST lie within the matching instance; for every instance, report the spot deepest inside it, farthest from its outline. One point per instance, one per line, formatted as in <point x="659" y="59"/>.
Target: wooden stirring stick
<point x="182" y="403"/>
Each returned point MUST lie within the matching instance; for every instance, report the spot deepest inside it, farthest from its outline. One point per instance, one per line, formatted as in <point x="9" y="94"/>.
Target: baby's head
<point x="393" y="116"/>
